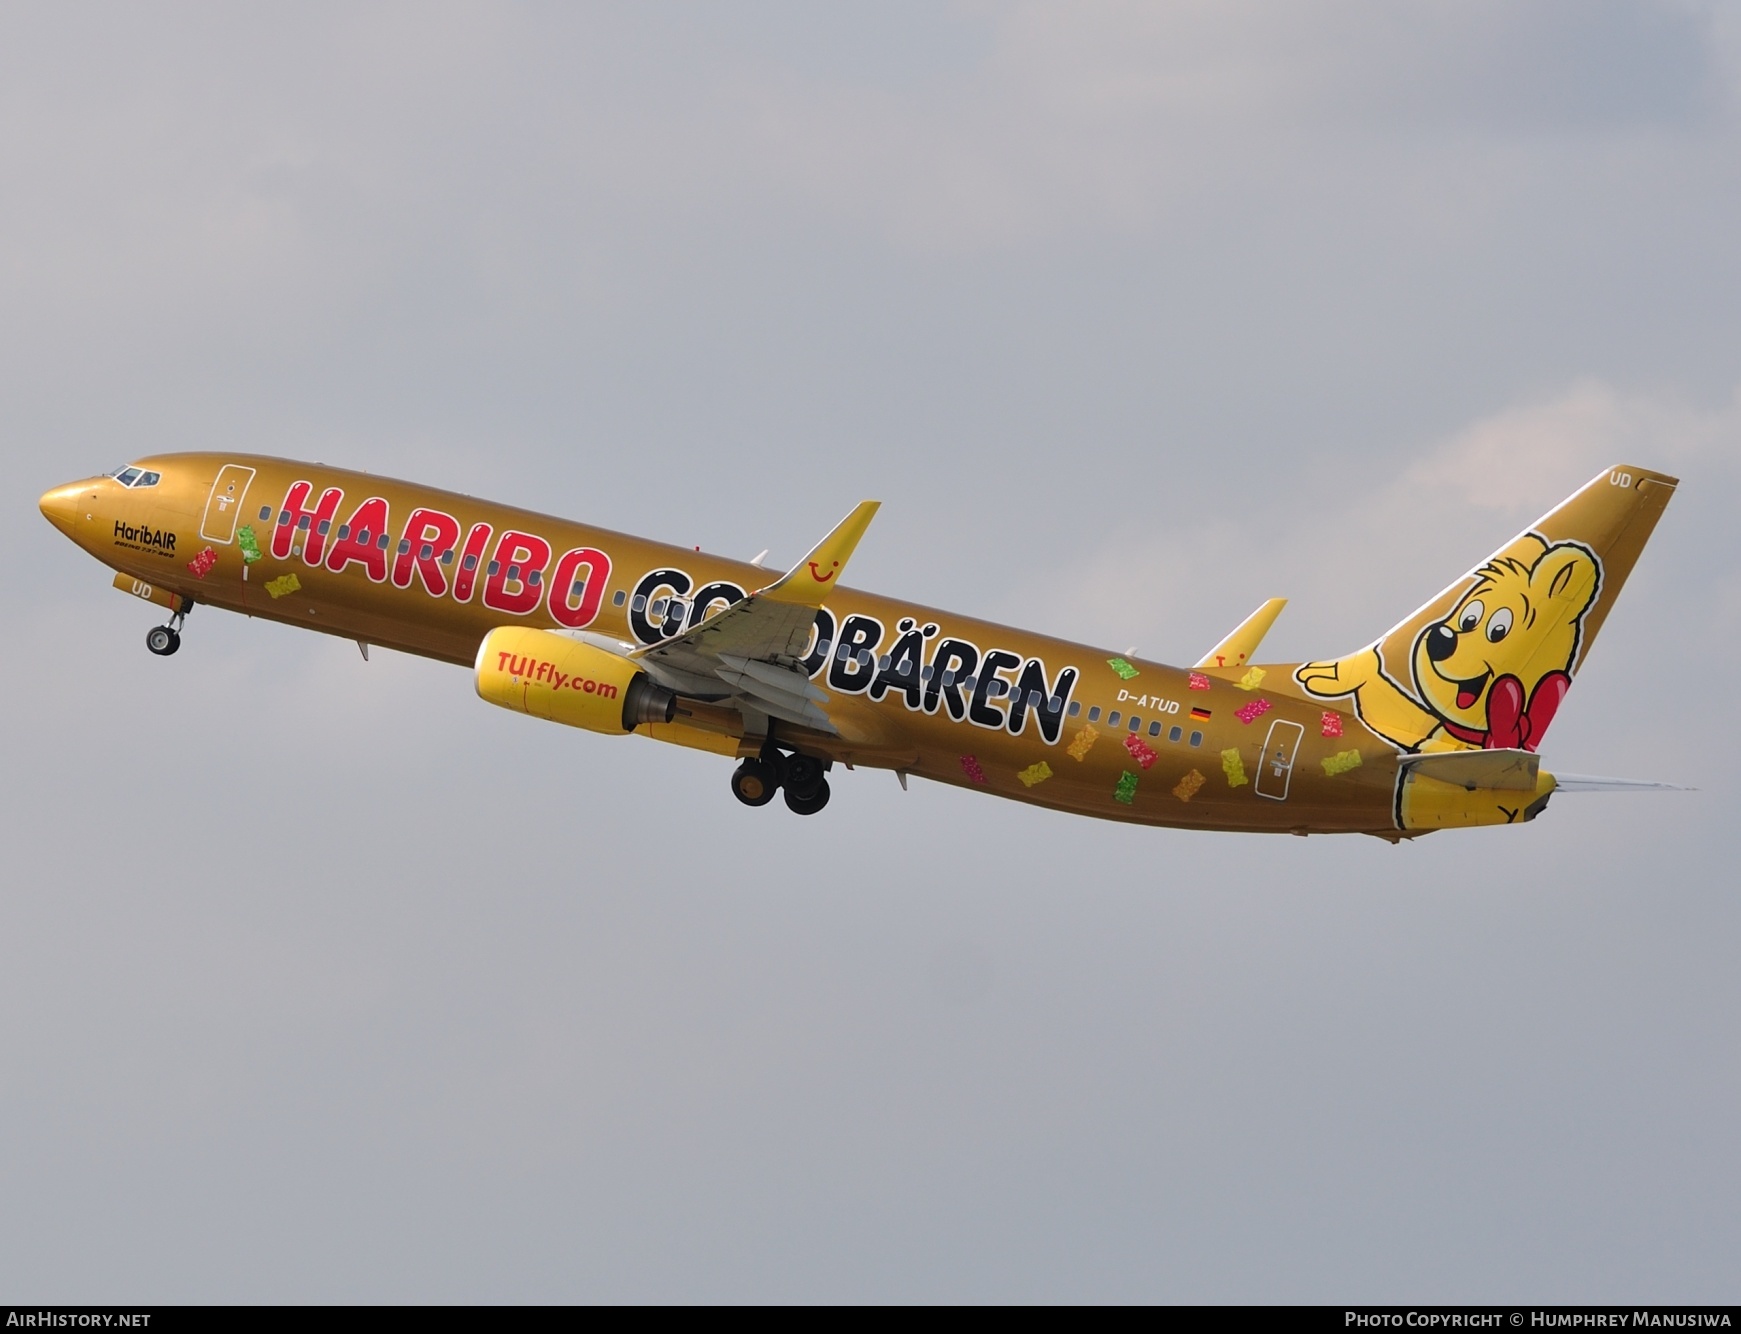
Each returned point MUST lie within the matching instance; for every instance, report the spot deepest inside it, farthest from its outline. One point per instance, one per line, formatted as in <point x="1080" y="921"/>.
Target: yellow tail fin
<point x="1486" y="663"/>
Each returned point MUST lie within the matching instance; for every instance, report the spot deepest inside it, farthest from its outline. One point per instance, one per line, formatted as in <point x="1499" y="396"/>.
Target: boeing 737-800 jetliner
<point x="1434" y="724"/>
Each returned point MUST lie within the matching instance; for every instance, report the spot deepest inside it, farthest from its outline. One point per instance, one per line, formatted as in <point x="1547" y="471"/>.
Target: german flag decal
<point x="1200" y="715"/>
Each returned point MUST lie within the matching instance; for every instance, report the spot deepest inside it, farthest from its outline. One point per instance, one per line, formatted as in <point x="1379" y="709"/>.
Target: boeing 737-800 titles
<point x="1434" y="724"/>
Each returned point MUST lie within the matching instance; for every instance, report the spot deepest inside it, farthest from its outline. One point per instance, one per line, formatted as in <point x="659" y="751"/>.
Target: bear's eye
<point x="1499" y="625"/>
<point x="1471" y="616"/>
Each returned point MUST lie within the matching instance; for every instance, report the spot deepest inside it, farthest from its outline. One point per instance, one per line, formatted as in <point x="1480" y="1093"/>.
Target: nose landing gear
<point x="802" y="778"/>
<point x="165" y="639"/>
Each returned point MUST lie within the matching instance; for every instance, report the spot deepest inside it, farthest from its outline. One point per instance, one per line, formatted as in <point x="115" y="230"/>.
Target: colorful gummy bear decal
<point x="1342" y="762"/>
<point x="1233" y="767"/>
<point x="1251" y="680"/>
<point x="1188" y="785"/>
<point x="282" y="585"/>
<point x="1084" y="742"/>
<point x="1332" y="724"/>
<point x="1197" y="681"/>
<point x="1251" y="712"/>
<point x="1126" y="790"/>
<point x="1140" y="751"/>
<point x="1122" y="667"/>
<point x="1035" y="773"/>
<point x="970" y="767"/>
<point x="201" y="565"/>
<point x="249" y="544"/>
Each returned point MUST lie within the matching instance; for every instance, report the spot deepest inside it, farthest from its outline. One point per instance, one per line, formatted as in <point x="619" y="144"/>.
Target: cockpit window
<point x="131" y="476"/>
<point x="127" y="476"/>
<point x="148" y="479"/>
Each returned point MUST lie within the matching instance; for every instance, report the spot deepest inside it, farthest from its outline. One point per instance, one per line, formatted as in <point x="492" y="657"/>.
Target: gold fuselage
<point x="437" y="571"/>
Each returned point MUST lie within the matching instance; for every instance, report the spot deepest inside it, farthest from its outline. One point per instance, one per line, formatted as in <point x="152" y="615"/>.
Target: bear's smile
<point x="1469" y="691"/>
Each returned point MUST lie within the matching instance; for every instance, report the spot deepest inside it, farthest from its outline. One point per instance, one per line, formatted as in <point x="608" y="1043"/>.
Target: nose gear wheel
<point x="165" y="639"/>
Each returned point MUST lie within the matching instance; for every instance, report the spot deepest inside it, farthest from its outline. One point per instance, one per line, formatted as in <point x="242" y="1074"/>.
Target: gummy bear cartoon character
<point x="1492" y="673"/>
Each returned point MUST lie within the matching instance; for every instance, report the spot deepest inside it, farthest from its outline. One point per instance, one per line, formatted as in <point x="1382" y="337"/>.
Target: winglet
<point x="1237" y="648"/>
<point x="811" y="580"/>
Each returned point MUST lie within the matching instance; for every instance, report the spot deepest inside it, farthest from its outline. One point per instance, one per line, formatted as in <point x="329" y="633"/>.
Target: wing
<point x="749" y="653"/>
<point x="1237" y="649"/>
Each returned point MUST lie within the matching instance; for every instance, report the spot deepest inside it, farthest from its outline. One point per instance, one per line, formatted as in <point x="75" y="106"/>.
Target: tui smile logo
<point x="820" y="577"/>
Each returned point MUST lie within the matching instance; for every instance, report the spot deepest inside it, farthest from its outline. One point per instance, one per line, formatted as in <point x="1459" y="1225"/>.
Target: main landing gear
<point x="803" y="779"/>
<point x="165" y="639"/>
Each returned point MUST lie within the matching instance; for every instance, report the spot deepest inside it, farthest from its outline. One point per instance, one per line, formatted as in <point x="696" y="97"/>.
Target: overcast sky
<point x="324" y="981"/>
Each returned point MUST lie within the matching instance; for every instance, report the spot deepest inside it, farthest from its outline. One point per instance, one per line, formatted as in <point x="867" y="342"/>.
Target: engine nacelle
<point x="565" y="681"/>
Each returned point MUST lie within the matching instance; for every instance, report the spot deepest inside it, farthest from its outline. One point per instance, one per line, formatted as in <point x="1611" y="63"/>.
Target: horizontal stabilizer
<point x="1237" y="649"/>
<point x="1590" y="783"/>
<point x="1493" y="770"/>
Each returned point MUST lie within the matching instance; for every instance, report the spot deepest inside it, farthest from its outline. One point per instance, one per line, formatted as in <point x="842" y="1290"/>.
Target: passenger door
<point x="1276" y="767"/>
<point x="225" y="503"/>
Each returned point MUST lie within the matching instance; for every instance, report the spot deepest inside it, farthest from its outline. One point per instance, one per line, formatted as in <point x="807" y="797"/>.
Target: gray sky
<point x="323" y="981"/>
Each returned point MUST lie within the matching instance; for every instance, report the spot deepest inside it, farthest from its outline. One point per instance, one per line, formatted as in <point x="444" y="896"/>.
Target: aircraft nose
<point x="60" y="507"/>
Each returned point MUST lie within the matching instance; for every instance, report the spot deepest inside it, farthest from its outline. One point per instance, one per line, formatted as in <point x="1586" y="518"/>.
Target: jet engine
<point x="565" y="681"/>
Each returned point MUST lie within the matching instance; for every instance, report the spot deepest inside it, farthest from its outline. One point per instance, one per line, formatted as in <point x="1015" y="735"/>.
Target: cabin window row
<point x="995" y="689"/>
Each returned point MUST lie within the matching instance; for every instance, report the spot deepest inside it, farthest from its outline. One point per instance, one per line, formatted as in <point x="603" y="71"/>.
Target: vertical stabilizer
<point x="1486" y="663"/>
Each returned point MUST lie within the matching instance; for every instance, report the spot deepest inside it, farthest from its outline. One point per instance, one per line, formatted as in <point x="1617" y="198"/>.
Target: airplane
<point x="1435" y="724"/>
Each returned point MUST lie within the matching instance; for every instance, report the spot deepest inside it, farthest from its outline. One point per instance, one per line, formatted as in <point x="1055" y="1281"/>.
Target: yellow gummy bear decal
<point x="1342" y="762"/>
<point x="1233" y="767"/>
<point x="1188" y="785"/>
<point x="1035" y="773"/>
<point x="288" y="583"/>
<point x="1084" y="742"/>
<point x="1251" y="680"/>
